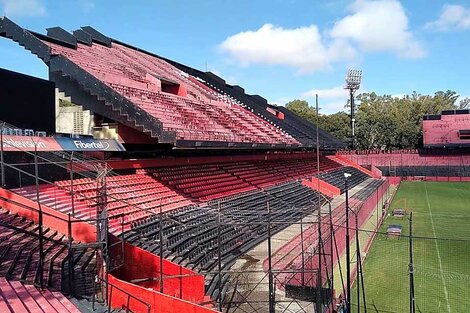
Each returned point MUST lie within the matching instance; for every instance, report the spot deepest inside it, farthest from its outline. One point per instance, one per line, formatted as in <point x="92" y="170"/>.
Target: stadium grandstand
<point x="151" y="186"/>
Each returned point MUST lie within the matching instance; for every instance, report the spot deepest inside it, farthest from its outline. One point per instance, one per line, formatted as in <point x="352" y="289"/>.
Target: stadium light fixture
<point x="353" y="79"/>
<point x="353" y="83"/>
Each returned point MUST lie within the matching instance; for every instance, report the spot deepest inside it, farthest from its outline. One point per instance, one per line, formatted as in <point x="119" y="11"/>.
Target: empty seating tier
<point x="181" y="104"/>
<point x="19" y="255"/>
<point x="190" y="234"/>
<point x="336" y="177"/>
<point x="296" y="194"/>
<point x="300" y="129"/>
<point x="206" y="182"/>
<point x="368" y="190"/>
<point x="129" y="198"/>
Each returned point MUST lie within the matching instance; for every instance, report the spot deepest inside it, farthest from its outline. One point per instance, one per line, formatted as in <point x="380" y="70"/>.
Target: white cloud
<point x="331" y="107"/>
<point x="379" y="26"/>
<point x="335" y="97"/>
<point x="371" y="26"/>
<point x="452" y="17"/>
<point x="23" y="7"/>
<point x="301" y="48"/>
<point x="328" y="93"/>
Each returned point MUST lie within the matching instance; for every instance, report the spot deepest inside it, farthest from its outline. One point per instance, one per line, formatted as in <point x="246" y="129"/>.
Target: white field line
<point x="438" y="253"/>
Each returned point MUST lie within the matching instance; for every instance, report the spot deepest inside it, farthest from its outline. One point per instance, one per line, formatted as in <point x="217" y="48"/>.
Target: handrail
<point x="85" y="198"/>
<point x="24" y="206"/>
<point x="109" y="297"/>
<point x="21" y="230"/>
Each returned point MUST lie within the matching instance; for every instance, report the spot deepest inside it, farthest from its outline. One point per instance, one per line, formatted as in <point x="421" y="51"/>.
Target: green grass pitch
<point x="442" y="266"/>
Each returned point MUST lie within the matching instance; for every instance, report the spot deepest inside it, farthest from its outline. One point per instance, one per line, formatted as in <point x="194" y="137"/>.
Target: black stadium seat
<point x="336" y="177"/>
<point x="190" y="234"/>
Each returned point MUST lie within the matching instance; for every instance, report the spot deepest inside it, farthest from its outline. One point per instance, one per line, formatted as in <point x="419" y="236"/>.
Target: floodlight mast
<point x="353" y="82"/>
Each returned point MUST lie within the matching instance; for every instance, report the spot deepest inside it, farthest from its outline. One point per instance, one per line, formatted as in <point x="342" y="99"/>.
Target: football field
<point x="441" y="252"/>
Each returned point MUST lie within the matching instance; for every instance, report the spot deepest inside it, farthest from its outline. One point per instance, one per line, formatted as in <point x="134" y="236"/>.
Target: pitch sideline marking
<point x="437" y="249"/>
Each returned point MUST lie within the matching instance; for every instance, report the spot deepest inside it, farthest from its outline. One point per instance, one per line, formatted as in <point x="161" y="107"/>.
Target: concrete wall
<point x="72" y="119"/>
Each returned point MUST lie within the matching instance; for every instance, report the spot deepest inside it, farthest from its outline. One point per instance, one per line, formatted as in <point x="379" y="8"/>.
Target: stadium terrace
<point x="158" y="187"/>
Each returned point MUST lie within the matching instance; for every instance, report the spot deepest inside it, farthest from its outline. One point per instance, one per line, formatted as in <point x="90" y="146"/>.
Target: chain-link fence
<point x="440" y="268"/>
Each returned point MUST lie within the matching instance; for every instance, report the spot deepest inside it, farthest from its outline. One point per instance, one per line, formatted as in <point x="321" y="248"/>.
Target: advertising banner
<point x="27" y="143"/>
<point x="89" y="144"/>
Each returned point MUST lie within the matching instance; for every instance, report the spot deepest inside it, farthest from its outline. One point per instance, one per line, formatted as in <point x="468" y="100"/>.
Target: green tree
<point x="302" y="109"/>
<point x="383" y="122"/>
<point x="386" y="122"/>
<point x="337" y="124"/>
<point x="464" y="103"/>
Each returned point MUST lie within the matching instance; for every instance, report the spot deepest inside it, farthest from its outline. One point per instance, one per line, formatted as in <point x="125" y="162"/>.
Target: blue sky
<point x="280" y="49"/>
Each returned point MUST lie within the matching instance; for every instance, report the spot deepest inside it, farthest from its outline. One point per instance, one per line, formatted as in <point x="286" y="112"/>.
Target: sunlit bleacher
<point x="170" y="96"/>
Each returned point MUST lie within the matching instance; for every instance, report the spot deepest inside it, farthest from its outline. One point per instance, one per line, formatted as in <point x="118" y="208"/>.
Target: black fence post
<point x="40" y="220"/>
<point x="272" y="298"/>
<point x="70" y="257"/>
<point x="219" y="255"/>
<point x="348" y="253"/>
<point x="411" y="267"/>
<point x="72" y="192"/>
<point x="160" y="237"/>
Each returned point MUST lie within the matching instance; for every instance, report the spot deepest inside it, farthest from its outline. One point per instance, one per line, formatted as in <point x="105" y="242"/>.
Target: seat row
<point x="19" y="255"/>
<point x="213" y="181"/>
<point x="337" y="177"/>
<point x="187" y="109"/>
<point x="128" y="198"/>
<point x="190" y="235"/>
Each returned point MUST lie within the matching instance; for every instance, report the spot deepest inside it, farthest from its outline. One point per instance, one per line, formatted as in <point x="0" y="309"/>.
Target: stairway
<point x="88" y="91"/>
<point x="18" y="298"/>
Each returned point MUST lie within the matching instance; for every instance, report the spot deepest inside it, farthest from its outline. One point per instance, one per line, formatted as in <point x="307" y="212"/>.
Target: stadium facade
<point x="172" y="190"/>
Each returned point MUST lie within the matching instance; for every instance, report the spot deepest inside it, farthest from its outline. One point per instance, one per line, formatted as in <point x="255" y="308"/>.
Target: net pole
<point x="411" y="266"/>
<point x="319" y="280"/>
<point x="272" y="299"/>
<point x="72" y="192"/>
<point x="358" y="261"/>
<point x="219" y="261"/>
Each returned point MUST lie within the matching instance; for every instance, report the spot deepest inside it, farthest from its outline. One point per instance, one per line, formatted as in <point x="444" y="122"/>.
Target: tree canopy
<point x="383" y="122"/>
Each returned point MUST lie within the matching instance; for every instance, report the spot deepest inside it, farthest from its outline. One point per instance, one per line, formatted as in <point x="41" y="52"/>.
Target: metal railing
<point x="109" y="297"/>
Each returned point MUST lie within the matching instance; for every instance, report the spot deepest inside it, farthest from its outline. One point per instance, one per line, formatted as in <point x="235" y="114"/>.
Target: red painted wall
<point x="348" y="162"/>
<point x="159" y="303"/>
<point x="132" y="136"/>
<point x="446" y="130"/>
<point x="181" y="293"/>
<point x="139" y="264"/>
<point x="406" y="158"/>
<point x="376" y="171"/>
<point x="322" y="186"/>
<point x="138" y="164"/>
<point x="13" y="202"/>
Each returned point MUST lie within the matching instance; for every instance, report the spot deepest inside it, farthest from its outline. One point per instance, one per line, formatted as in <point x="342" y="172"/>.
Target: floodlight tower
<point x="353" y="82"/>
